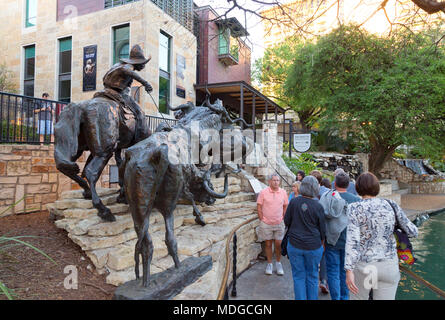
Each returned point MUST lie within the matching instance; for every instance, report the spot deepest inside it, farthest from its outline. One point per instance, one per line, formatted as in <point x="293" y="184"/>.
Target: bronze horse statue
<point x="104" y="125"/>
<point x="94" y="126"/>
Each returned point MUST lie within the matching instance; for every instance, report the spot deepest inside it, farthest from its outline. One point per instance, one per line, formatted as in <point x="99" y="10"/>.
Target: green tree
<point x="6" y="85"/>
<point x="272" y="70"/>
<point x="389" y="90"/>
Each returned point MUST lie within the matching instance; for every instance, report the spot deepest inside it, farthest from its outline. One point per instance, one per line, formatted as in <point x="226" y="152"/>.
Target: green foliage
<point x="303" y="162"/>
<point x="272" y="71"/>
<point x="6" y="85"/>
<point x="19" y="132"/>
<point x="389" y="91"/>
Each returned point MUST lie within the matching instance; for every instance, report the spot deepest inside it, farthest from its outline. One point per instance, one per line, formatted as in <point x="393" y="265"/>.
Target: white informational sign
<point x="302" y="142"/>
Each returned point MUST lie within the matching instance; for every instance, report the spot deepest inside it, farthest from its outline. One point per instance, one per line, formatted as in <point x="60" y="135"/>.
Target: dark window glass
<point x="65" y="57"/>
<point x="29" y="70"/>
<point x="65" y="90"/>
<point x="65" y="62"/>
<point x="121" y="43"/>
<point x="28" y="88"/>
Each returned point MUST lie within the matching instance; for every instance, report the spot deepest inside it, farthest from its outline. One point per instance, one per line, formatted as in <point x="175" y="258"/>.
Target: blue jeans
<point x="323" y="274"/>
<point x="304" y="265"/>
<point x="335" y="262"/>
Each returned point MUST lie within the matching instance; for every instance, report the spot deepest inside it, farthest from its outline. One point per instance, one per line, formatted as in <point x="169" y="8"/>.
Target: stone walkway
<point x="253" y="284"/>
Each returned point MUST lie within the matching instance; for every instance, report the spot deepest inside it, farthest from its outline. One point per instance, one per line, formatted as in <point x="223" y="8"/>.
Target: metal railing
<point x="155" y="121"/>
<point x="23" y="120"/>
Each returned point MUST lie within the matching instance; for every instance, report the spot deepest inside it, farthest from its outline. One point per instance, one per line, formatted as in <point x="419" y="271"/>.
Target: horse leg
<point x="73" y="176"/>
<point x="147" y="254"/>
<point x="170" y="239"/>
<point x="87" y="193"/>
<point x="121" y="165"/>
<point x="92" y="172"/>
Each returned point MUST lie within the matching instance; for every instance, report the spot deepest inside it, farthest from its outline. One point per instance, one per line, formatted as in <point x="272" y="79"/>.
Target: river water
<point x="429" y="249"/>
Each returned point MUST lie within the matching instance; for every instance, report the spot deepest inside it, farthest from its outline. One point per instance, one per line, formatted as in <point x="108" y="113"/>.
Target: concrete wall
<point x="146" y="21"/>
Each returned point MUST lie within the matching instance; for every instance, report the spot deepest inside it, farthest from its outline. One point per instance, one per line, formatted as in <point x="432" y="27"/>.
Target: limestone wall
<point x="28" y="172"/>
<point x="424" y="184"/>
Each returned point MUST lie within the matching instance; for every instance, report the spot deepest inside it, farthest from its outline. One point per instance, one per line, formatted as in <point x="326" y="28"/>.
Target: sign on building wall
<point x="180" y="69"/>
<point x="302" y="142"/>
<point x="89" y="68"/>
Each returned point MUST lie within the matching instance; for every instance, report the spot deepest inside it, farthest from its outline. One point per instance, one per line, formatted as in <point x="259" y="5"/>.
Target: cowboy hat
<point x="136" y="56"/>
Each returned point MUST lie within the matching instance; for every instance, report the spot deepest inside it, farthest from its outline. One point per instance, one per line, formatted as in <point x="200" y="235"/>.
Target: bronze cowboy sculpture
<point x="104" y="125"/>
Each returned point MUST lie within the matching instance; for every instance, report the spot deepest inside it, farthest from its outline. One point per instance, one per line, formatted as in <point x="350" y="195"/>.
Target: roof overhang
<point x="233" y="93"/>
<point x="234" y="25"/>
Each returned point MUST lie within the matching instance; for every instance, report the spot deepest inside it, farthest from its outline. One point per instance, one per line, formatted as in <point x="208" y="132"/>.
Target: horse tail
<point x="66" y="133"/>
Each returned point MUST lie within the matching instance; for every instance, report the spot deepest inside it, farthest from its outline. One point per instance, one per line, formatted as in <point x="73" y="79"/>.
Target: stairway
<point x="110" y="246"/>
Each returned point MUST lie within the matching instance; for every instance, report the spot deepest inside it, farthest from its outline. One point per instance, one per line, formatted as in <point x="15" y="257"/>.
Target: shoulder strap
<point x="395" y="213"/>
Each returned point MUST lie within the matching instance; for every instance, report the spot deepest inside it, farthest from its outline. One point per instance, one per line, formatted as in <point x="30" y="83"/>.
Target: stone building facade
<point x="39" y="30"/>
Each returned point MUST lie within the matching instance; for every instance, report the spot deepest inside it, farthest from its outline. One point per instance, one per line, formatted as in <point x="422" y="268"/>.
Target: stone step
<point x="72" y="203"/>
<point x="77" y="194"/>
<point x="239" y="197"/>
<point x="402" y="191"/>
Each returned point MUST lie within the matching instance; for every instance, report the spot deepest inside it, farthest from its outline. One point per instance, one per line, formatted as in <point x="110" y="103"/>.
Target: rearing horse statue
<point x="104" y="125"/>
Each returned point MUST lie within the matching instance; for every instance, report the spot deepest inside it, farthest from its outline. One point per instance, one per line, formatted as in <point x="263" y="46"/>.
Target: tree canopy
<point x="390" y="90"/>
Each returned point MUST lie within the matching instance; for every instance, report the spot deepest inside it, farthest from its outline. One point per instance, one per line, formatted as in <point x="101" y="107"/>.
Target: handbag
<point x="284" y="243"/>
<point x="404" y="247"/>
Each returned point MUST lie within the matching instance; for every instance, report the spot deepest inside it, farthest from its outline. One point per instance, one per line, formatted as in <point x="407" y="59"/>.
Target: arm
<point x="137" y="77"/>
<point x="260" y="211"/>
<point x="288" y="216"/>
<point x="352" y="247"/>
<point x="404" y="222"/>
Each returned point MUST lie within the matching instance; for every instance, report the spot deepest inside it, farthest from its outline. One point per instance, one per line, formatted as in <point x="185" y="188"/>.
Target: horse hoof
<point x="87" y="195"/>
<point x="200" y="221"/>
<point x="107" y="216"/>
<point x="121" y="199"/>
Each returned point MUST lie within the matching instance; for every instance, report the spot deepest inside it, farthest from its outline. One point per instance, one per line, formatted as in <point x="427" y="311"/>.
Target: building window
<point x="65" y="52"/>
<point x="224" y="41"/>
<point x="30" y="58"/>
<point x="31" y="13"/>
<point x="121" y="42"/>
<point x="116" y="3"/>
<point x="164" y="71"/>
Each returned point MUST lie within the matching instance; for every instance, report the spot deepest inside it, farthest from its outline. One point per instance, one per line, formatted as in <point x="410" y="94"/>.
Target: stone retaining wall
<point x="28" y="172"/>
<point x="420" y="184"/>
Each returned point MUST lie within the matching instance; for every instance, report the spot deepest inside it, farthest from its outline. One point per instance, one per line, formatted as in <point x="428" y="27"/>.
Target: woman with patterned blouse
<point x="371" y="255"/>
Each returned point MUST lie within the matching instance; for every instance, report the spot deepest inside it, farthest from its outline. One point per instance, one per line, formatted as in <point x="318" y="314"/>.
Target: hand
<point x="350" y="282"/>
<point x="148" y="88"/>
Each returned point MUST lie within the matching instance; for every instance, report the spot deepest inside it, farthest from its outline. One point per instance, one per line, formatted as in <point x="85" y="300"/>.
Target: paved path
<point x="253" y="284"/>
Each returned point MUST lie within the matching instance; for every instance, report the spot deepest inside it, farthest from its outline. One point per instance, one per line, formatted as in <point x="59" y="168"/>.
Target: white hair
<point x="273" y="175"/>
<point x="339" y="170"/>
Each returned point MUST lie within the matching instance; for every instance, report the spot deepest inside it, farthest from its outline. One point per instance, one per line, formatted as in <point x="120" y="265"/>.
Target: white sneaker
<point x="280" y="270"/>
<point x="269" y="269"/>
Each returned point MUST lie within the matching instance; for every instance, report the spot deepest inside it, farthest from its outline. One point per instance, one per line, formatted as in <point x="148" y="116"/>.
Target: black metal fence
<point x="31" y="120"/>
<point x="155" y="121"/>
<point x="27" y="119"/>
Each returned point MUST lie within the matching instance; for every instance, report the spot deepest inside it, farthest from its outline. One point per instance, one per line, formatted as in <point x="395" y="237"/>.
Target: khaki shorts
<point x="270" y="232"/>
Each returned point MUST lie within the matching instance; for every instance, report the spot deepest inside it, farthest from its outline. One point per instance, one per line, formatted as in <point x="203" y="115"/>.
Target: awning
<point x="241" y="98"/>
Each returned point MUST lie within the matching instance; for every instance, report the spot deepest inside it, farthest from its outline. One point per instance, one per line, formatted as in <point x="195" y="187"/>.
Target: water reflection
<point x="429" y="250"/>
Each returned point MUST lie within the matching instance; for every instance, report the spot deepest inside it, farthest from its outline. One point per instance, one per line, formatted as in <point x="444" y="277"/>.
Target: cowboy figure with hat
<point x="117" y="82"/>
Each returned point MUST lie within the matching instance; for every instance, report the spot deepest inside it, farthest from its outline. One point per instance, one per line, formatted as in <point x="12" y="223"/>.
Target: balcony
<point x="229" y="58"/>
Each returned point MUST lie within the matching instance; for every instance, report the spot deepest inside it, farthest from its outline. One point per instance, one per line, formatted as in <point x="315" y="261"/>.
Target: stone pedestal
<point x="167" y="284"/>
